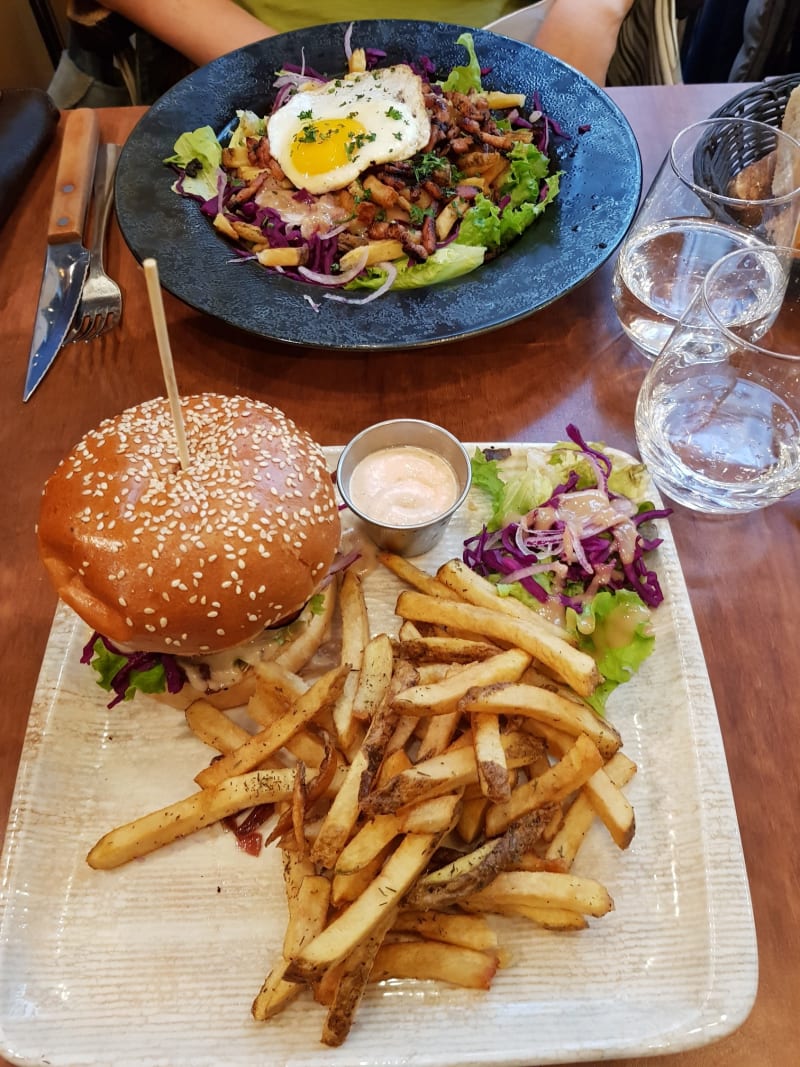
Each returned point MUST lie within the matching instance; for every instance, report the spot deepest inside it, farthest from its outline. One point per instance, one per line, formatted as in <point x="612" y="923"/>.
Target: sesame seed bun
<point x="194" y="561"/>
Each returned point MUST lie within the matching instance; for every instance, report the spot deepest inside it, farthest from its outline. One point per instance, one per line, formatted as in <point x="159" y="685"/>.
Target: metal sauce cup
<point x="405" y="540"/>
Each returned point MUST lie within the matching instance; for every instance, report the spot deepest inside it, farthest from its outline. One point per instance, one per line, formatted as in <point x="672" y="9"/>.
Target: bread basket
<point x="726" y="152"/>
<point x="765" y="102"/>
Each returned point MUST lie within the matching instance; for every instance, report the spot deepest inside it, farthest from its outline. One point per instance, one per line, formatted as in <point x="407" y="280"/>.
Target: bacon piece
<point x="248" y="191"/>
<point x="497" y="140"/>
<point x="429" y="234"/>
<point x="382" y="231"/>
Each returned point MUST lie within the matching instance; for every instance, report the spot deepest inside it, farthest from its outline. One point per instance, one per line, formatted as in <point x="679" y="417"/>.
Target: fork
<point x="100" y="306"/>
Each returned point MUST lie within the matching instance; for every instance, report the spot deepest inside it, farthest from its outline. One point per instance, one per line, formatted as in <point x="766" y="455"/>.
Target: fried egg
<point x="326" y="136"/>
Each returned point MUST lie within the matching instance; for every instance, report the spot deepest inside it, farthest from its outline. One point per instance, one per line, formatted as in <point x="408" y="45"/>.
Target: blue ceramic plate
<point x="599" y="193"/>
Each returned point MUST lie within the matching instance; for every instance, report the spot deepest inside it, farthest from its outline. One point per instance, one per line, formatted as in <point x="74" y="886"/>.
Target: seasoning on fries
<point x="422" y="784"/>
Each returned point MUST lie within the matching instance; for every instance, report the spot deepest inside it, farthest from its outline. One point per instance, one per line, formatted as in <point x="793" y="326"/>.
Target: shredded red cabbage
<point x="180" y="187"/>
<point x="425" y="68"/>
<point x="581" y="543"/>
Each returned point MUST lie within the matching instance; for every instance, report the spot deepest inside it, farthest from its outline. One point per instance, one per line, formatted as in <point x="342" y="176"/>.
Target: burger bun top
<point x="194" y="561"/>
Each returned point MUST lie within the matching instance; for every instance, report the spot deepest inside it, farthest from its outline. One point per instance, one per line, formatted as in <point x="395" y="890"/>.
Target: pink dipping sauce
<point x="403" y="486"/>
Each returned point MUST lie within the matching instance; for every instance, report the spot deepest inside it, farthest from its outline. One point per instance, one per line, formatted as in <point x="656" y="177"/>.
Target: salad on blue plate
<point x="383" y="177"/>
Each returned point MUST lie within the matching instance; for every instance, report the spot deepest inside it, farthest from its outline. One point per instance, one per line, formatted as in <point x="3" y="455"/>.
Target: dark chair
<point x="49" y="28"/>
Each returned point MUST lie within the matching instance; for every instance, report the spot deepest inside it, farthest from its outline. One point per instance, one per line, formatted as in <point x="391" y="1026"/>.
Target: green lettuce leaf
<point x="614" y="628"/>
<point x="513" y="496"/>
<point x="316" y="604"/>
<point x="249" y="125"/>
<point x="462" y="79"/>
<point x="626" y="479"/>
<point x="485" y="223"/>
<point x="108" y="664"/>
<point x="202" y="146"/>
<point x="485" y="476"/>
<point x="528" y="167"/>
<point x="445" y="264"/>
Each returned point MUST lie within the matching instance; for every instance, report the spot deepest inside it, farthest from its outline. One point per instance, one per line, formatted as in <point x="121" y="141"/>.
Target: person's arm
<point x="583" y="33"/>
<point x="201" y="30"/>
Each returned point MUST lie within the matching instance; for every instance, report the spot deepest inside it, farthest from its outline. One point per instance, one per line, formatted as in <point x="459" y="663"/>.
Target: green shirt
<point x="294" y="14"/>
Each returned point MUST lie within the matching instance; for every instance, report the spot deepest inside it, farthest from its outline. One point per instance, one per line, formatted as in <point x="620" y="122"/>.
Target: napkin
<point x="28" y="119"/>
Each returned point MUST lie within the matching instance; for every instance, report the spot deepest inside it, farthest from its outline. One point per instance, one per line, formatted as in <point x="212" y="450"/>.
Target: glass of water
<point x="718" y="414"/>
<point x="726" y="184"/>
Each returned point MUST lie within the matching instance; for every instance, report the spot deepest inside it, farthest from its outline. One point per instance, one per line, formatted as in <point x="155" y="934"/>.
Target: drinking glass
<point x="718" y="414"/>
<point x="726" y="184"/>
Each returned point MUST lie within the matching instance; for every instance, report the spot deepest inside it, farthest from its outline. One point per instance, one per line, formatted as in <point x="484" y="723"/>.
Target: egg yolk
<point x="325" y="144"/>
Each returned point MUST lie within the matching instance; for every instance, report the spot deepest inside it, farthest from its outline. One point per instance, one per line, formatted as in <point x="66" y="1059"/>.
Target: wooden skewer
<point x="165" y="352"/>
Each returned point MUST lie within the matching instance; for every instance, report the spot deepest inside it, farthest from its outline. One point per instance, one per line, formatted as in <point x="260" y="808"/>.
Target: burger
<point x="189" y="574"/>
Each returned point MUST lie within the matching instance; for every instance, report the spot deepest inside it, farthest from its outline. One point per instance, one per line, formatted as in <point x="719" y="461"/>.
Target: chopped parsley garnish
<point x="417" y="214"/>
<point x="427" y="164"/>
<point x="357" y="142"/>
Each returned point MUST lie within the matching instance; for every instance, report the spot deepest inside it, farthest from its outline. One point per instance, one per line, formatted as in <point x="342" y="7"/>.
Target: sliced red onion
<point x="348" y="51"/>
<point x="391" y="274"/>
<point x="334" y="232"/>
<point x="342" y="562"/>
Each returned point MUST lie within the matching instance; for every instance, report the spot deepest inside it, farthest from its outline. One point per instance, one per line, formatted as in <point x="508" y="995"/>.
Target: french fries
<point x="313" y="623"/>
<point x="187" y="816"/>
<point x="214" y="727"/>
<point x="549" y="709"/>
<point x="308" y="911"/>
<point x="568" y="664"/>
<point x="421" y="784"/>
<point x="265" y="743"/>
<point x="469" y="931"/>
<point x="380" y="899"/>
<point x="280" y="257"/>
<point x="439" y="698"/>
<point x="377" y="251"/>
<point x="546" y="889"/>
<point x="468" y="967"/>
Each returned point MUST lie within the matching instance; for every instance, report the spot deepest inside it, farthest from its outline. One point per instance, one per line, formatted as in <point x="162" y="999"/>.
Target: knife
<point x="67" y="261"/>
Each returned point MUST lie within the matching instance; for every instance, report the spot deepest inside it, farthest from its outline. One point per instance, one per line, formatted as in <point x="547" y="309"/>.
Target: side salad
<point x="487" y="170"/>
<point x="569" y="535"/>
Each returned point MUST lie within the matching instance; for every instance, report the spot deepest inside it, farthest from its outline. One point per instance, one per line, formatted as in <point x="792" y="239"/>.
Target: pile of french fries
<point x="420" y="785"/>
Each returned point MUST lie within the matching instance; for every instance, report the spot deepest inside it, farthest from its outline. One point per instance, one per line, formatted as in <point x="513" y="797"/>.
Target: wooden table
<point x="524" y="382"/>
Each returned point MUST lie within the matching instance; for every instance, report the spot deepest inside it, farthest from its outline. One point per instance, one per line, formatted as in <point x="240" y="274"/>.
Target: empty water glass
<point x="726" y="184"/>
<point x="718" y="414"/>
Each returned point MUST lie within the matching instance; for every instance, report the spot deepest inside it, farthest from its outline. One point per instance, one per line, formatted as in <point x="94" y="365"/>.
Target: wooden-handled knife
<point x="67" y="261"/>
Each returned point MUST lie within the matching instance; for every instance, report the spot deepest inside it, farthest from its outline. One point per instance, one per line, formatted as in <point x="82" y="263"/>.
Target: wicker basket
<point x="765" y="102"/>
<point x="723" y="154"/>
<point x="725" y="151"/>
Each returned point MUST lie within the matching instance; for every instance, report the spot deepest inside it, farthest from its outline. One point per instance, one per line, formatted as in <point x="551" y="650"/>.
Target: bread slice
<point x="787" y="163"/>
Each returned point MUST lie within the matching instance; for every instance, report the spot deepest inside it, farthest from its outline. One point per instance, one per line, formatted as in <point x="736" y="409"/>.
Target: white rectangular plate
<point x="158" y="962"/>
